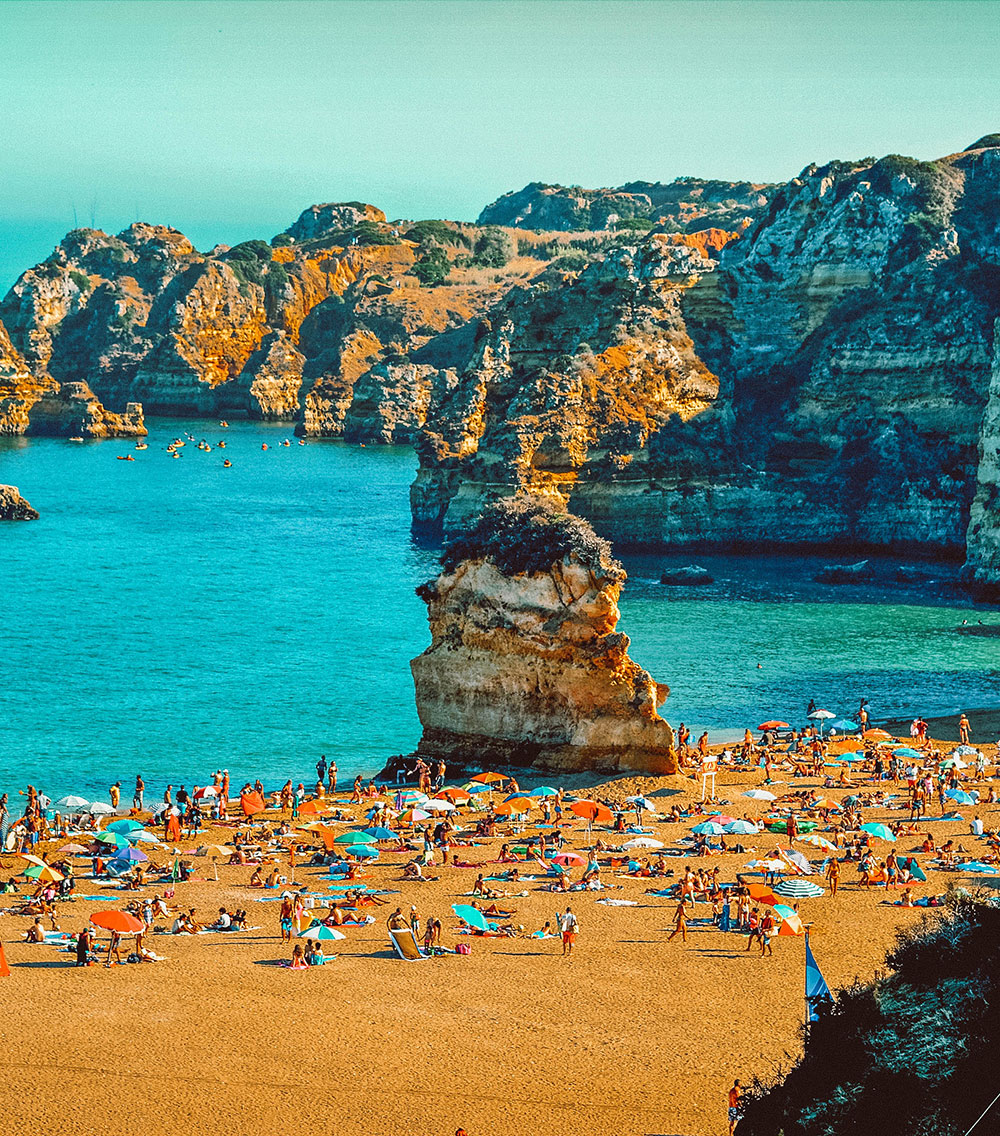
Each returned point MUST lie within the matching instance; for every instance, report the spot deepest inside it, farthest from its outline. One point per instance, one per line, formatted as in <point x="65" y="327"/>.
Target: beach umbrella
<point x="490" y="778"/>
<point x="72" y="803"/>
<point x="438" y="806"/>
<point x="112" y="839"/>
<point x="790" y="924"/>
<point x="825" y="803"/>
<point x="849" y="758"/>
<point x="99" y="808"/>
<point x="131" y="856"/>
<point x="643" y="842"/>
<point x="514" y="805"/>
<point x="412" y="797"/>
<point x="544" y="791"/>
<point x="568" y="859"/>
<point x="205" y="791"/>
<point x="42" y="872"/>
<point x="311" y="808"/>
<point x="953" y="763"/>
<point x="456" y="796"/>
<point x="773" y="725"/>
<point x="822" y="716"/>
<point x="798" y="889"/>
<point x="819" y="842"/>
<point x="120" y="921"/>
<point x="215" y="851"/>
<point x="124" y="826"/>
<point x="761" y="893"/>
<point x="721" y="818"/>
<point x="782" y="910"/>
<point x="380" y="833"/>
<point x="769" y="865"/>
<point x="140" y="835"/>
<point x="960" y="797"/>
<point x="709" y="828"/>
<point x="320" y="931"/>
<point x="964" y="751"/>
<point x="354" y="836"/>
<point x="878" y="736"/>
<point x="741" y="828"/>
<point x="413" y="816"/>
<point x="362" y="852"/>
<point x="591" y="811"/>
<point x="879" y="830"/>
<point x="475" y="787"/>
<point x="760" y="795"/>
<point x="843" y="724"/>
<point x="74" y="849"/>
<point x="905" y="751"/>
<point x="471" y="915"/>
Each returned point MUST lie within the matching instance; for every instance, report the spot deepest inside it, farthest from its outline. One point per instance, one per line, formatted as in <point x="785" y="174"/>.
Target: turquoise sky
<point x="226" y="119"/>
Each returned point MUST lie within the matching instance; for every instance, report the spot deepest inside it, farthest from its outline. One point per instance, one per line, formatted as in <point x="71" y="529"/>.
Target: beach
<point x="629" y="1035"/>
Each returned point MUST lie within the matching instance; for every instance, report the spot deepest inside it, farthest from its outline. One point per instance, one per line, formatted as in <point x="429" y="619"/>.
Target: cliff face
<point x="679" y="203"/>
<point x="526" y="668"/>
<point x="824" y="382"/>
<point x="982" y="566"/>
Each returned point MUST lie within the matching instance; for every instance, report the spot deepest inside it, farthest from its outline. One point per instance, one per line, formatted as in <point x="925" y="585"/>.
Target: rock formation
<point x="525" y="666"/>
<point x="982" y="565"/>
<point x="13" y="506"/>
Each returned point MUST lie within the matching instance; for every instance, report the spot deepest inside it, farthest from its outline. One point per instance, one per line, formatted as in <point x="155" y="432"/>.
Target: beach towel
<point x="618" y="902"/>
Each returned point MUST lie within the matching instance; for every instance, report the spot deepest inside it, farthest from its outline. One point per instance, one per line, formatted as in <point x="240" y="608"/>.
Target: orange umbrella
<point x="456" y="796"/>
<point x="119" y="921"/>
<point x="878" y="735"/>
<point x="489" y="778"/>
<point x="761" y="893"/>
<point x="514" y="805"/>
<point x="252" y="803"/>
<point x="310" y="808"/>
<point x="791" y="925"/>
<point x="591" y="811"/>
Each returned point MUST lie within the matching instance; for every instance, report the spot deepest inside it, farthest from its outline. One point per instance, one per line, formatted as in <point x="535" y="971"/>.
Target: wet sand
<point x="632" y="1035"/>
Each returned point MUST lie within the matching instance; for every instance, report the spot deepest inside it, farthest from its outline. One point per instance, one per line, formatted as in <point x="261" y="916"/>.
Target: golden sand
<point x="631" y="1035"/>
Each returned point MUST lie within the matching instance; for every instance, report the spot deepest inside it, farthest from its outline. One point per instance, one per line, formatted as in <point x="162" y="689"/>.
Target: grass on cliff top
<point x="523" y="535"/>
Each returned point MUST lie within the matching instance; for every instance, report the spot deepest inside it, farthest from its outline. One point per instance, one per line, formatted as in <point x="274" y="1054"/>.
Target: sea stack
<point x="526" y="667"/>
<point x="13" y="506"/>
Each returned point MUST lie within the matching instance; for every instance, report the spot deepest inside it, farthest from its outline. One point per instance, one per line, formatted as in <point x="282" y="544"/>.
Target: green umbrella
<point x="356" y="836"/>
<point x="879" y="830"/>
<point x="114" y="838"/>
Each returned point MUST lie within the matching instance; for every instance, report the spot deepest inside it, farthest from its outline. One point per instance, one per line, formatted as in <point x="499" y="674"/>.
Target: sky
<point x="225" y="120"/>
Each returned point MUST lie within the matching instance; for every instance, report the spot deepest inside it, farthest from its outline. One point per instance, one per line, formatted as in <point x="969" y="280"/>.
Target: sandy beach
<point x="630" y="1035"/>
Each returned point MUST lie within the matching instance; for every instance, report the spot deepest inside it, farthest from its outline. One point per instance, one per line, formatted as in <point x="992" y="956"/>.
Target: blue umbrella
<point x="843" y="724"/>
<point x="797" y="889"/>
<point x="709" y="828"/>
<point x="477" y="787"/>
<point x="849" y="758"/>
<point x="132" y="855"/>
<point x="960" y="798"/>
<point x="741" y="827"/>
<point x="905" y="751"/>
<point x="471" y="915"/>
<point x="544" y="791"/>
<point x="124" y="826"/>
<point x="362" y="852"/>
<point x="379" y="832"/>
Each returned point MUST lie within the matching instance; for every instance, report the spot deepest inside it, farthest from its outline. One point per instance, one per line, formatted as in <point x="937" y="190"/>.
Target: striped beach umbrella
<point x="798" y="889"/>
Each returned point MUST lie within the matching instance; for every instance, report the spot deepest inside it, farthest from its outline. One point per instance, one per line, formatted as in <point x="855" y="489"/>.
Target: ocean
<point x="171" y="617"/>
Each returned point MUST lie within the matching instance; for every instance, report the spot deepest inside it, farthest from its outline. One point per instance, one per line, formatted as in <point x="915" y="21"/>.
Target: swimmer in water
<point x="263" y="445"/>
<point x="227" y="463"/>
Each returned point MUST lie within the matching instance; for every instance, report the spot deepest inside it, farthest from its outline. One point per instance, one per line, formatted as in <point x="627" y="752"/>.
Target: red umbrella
<point x="773" y="726"/>
<point x="570" y="859"/>
<point x="591" y="811"/>
<point x="119" y="921"/>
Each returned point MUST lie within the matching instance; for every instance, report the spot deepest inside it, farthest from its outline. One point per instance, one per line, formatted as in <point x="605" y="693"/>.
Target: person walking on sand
<point x="570" y="927"/>
<point x="767" y="926"/>
<point x="735" y="1105"/>
<point x="964" y="729"/>
<point x="680" y="922"/>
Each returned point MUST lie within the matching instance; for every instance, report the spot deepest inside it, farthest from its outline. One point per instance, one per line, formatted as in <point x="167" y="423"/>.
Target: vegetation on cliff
<point x="526" y="534"/>
<point x="910" y="1054"/>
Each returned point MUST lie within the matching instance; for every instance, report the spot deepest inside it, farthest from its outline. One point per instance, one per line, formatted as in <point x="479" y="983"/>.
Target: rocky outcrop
<point x="74" y="411"/>
<point x="319" y="220"/>
<point x="525" y="666"/>
<point x="13" y="506"/>
<point x="682" y="202"/>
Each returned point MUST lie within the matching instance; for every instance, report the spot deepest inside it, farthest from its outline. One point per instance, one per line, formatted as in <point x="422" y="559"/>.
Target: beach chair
<point x="404" y="943"/>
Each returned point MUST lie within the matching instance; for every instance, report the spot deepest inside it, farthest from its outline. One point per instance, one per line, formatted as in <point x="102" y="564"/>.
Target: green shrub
<point x="274" y="287"/>
<point x="633" y="225"/>
<point x="372" y="233"/>
<point x="282" y="240"/>
<point x="81" y="280"/>
<point x="436" y="232"/>
<point x="432" y="268"/>
<point x="493" y="248"/>
<point x="571" y="261"/>
<point x="526" y="534"/>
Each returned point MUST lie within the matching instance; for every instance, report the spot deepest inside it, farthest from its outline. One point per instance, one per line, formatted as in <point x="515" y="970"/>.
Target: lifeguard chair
<point x="709" y="768"/>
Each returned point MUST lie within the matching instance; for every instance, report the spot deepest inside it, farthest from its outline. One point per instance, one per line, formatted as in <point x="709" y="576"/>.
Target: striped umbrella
<point x="321" y="931"/>
<point x="798" y="889"/>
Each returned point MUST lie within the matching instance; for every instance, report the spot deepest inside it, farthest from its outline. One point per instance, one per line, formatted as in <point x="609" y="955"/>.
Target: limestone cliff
<point x="982" y="565"/>
<point x="13" y="506"/>
<point x="525" y="666"/>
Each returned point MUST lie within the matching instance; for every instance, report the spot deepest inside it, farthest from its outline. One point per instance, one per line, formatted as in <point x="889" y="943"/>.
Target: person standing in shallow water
<point x="115" y="793"/>
<point x="140" y="788"/>
<point x="964" y="730"/>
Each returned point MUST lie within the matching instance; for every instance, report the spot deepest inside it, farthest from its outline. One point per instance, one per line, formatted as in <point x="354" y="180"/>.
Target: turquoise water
<point x="172" y="617"/>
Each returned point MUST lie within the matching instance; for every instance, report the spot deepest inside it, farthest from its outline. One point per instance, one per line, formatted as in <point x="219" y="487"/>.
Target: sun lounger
<point x="404" y="943"/>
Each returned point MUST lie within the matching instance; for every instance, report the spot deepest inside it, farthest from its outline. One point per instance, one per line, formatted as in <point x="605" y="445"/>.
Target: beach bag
<point x="463" y="949"/>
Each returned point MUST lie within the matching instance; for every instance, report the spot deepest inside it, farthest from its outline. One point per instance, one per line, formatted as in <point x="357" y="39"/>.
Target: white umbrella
<point x="72" y="803"/>
<point x="144" y="836"/>
<point x="821" y="716"/>
<point x="640" y="802"/>
<point x="643" y="842"/>
<point x="99" y="808"/>
<point x="760" y="795"/>
<point x="437" y="806"/>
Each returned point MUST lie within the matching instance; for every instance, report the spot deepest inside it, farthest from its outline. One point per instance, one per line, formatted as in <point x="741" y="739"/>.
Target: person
<point x="285" y="919"/>
<point x="767" y="926"/>
<point x="321" y="767"/>
<point x="735" y="1105"/>
<point x="570" y="927"/>
<point x="833" y="874"/>
<point x="140" y="787"/>
<point x="113" y="948"/>
<point x="84" y="944"/>
<point x="298" y="958"/>
<point x="36" y="932"/>
<point x="115" y="793"/>
<point x="680" y="921"/>
<point x="964" y="729"/>
<point x="331" y="776"/>
<point x="224" y="922"/>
